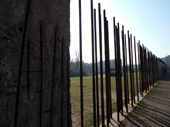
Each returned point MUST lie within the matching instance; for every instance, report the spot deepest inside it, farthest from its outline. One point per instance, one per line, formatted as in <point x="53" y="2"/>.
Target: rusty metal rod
<point x="124" y="69"/>
<point x="106" y="66"/>
<point x="52" y="88"/>
<point x="41" y="80"/>
<point x="139" y="62"/>
<point x="20" y="64"/>
<point x="136" y="69"/>
<point x="62" y="81"/>
<point x="101" y="66"/>
<point x="130" y="65"/>
<point x="126" y="57"/>
<point x="115" y="46"/>
<point x="68" y="88"/>
<point x="133" y="90"/>
<point x="142" y="75"/>
<point x="81" y="71"/>
<point x="97" y="89"/>
<point x="119" y="69"/>
<point x="93" y="78"/>
<point x="28" y="67"/>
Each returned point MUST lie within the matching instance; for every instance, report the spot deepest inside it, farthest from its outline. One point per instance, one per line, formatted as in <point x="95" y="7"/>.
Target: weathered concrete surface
<point x="52" y="14"/>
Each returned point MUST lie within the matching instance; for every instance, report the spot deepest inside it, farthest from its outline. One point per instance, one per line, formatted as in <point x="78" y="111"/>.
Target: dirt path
<point x="154" y="109"/>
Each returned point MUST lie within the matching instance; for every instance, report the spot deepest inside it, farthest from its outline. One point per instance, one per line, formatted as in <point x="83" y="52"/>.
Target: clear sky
<point x="147" y="20"/>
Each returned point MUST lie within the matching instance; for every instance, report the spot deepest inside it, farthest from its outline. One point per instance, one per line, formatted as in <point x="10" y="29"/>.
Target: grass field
<point x="88" y="99"/>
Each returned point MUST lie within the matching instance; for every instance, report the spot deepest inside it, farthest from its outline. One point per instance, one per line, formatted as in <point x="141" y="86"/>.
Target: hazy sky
<point x="147" y="20"/>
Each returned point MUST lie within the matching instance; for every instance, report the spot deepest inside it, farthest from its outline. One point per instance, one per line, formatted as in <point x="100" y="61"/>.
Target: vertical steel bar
<point x="136" y="69"/>
<point x="115" y="45"/>
<point x="108" y="59"/>
<point x="62" y="83"/>
<point x="101" y="66"/>
<point x="154" y="67"/>
<point x="81" y="71"/>
<point x="145" y="69"/>
<point x="138" y="45"/>
<point x="52" y="90"/>
<point x="20" y="64"/>
<point x="68" y="88"/>
<point x="119" y="67"/>
<point x="131" y="48"/>
<point x="143" y="64"/>
<point x="97" y="91"/>
<point x="117" y="71"/>
<point x="142" y="76"/>
<point x="130" y="65"/>
<point x="108" y="71"/>
<point x="157" y="69"/>
<point x="146" y="66"/>
<point x="92" y="37"/>
<point x="41" y="82"/>
<point x="106" y="66"/>
<point x="152" y="71"/>
<point x="149" y="67"/>
<point x="28" y="67"/>
<point x="124" y="69"/>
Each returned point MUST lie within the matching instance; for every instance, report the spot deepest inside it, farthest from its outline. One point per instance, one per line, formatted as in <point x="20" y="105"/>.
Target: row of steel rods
<point x="118" y="69"/>
<point x="148" y="68"/>
<point x="139" y="82"/>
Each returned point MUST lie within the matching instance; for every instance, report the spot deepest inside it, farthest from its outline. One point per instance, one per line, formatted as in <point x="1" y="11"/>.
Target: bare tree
<point x="77" y="59"/>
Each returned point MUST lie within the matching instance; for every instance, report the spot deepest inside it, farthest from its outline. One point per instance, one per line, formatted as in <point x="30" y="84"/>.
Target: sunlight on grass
<point x="88" y="98"/>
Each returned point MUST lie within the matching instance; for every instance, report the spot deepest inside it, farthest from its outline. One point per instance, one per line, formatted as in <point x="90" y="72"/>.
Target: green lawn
<point x="88" y="98"/>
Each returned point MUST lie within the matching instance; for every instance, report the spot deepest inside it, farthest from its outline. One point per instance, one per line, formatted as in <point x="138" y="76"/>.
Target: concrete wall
<point x="20" y="31"/>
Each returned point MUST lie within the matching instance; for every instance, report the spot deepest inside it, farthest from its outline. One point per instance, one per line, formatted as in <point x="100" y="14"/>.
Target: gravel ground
<point x="154" y="109"/>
